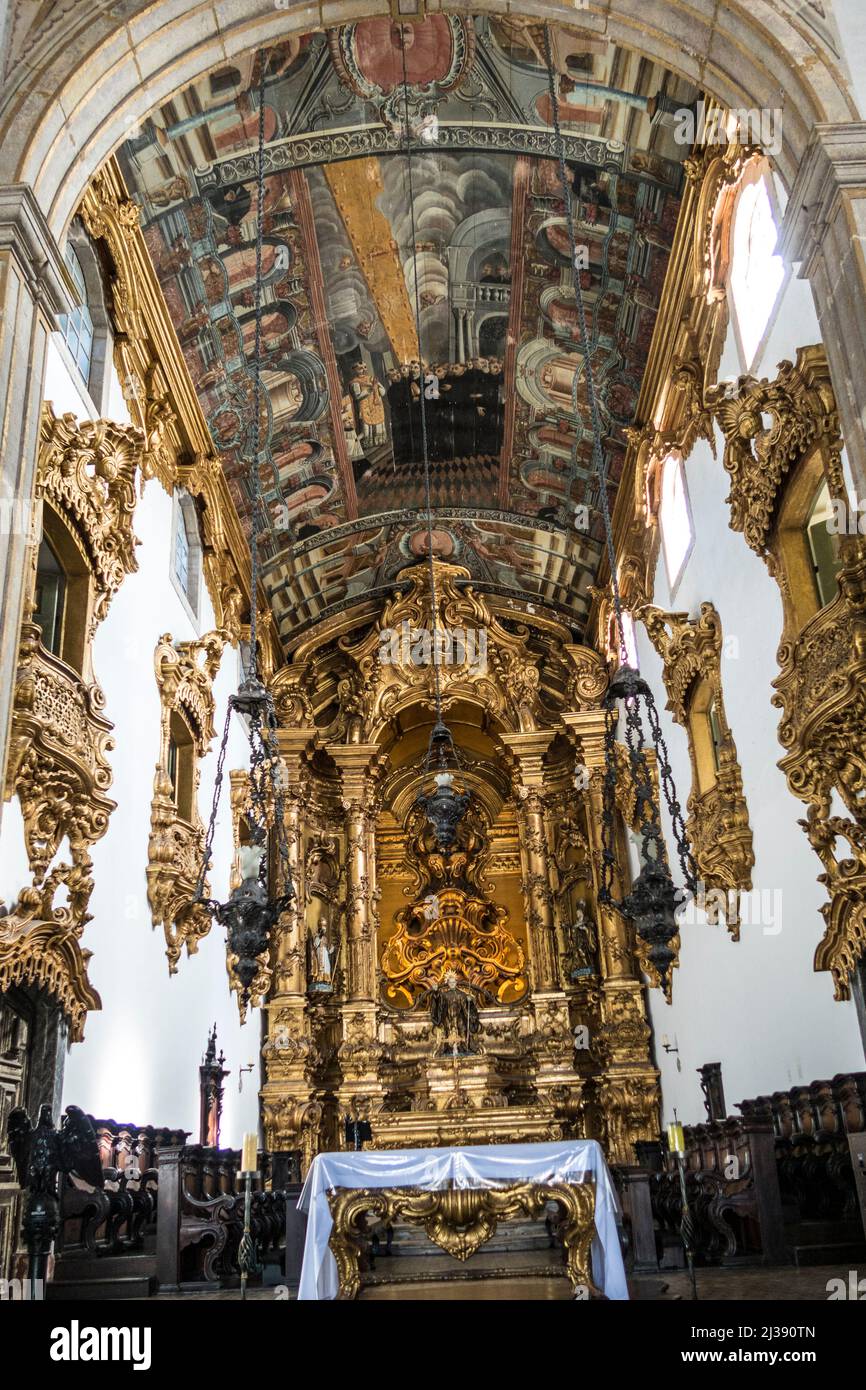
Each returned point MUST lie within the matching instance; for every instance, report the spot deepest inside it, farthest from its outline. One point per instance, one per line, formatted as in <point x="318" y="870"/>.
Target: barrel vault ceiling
<point x="348" y="222"/>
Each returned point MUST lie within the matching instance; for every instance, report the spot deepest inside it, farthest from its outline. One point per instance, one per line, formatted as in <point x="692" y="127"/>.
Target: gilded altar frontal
<point x="432" y="660"/>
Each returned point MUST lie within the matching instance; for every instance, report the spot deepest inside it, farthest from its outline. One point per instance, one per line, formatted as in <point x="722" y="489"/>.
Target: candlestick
<point x="249" y="1160"/>
<point x="676" y="1137"/>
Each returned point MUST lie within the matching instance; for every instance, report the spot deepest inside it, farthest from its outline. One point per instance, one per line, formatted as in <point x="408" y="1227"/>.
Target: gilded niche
<point x="717" y="816"/>
<point x="185" y="672"/>
<point x="451" y="926"/>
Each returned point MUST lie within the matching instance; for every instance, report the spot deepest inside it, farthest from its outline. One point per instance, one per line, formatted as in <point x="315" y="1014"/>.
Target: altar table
<point x="479" y="1166"/>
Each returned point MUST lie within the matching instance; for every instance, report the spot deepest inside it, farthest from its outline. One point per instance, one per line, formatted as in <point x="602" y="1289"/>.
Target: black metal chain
<point x="646" y="811"/>
<point x="595" y="413"/>
<point x="252" y="660"/>
<point x="207" y="853"/>
<point x="265" y="766"/>
<point x="428" y="497"/>
<point x="440" y="736"/>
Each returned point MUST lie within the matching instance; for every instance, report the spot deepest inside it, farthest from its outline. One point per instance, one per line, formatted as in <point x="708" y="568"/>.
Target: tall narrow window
<point x="50" y="598"/>
<point x="77" y="327"/>
<point x="823" y="546"/>
<point x="756" y="271"/>
<point x="675" y="519"/>
<point x="181" y="765"/>
<point x="187" y="551"/>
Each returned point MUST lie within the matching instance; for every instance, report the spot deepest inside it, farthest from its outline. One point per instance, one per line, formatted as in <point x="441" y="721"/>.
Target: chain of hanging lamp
<point x="444" y="807"/>
<point x="652" y="900"/>
<point x="251" y="912"/>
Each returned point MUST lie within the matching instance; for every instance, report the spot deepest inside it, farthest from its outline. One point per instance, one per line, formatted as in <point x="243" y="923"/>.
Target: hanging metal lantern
<point x="651" y="904"/>
<point x="443" y="807"/>
<point x="251" y="911"/>
<point x="255" y="906"/>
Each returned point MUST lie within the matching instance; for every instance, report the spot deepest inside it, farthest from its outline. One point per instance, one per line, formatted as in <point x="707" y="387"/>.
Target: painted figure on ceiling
<point x="368" y="395"/>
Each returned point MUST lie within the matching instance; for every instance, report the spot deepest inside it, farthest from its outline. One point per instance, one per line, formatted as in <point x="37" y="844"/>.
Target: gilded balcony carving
<point x="185" y="672"/>
<point x="801" y="409"/>
<point x="821" y="691"/>
<point x="717" y="815"/>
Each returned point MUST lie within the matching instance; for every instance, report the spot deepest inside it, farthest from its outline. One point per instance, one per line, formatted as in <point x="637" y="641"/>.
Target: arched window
<point x="186" y="551"/>
<point x="757" y="272"/>
<point x="86" y="331"/>
<point x="77" y="327"/>
<point x="675" y="518"/>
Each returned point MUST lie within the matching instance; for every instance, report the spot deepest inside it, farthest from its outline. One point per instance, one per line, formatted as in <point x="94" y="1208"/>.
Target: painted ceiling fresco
<point x="389" y="208"/>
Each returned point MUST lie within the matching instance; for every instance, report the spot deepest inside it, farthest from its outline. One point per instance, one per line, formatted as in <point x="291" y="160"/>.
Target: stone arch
<point x="58" y="125"/>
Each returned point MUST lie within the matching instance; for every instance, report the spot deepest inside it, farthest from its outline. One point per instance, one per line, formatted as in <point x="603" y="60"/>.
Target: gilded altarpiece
<point x="383" y="918"/>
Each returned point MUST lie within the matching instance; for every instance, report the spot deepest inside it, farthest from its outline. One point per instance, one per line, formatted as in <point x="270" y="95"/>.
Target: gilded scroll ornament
<point x="185" y="672"/>
<point x="87" y="470"/>
<point x="717" y="816"/>
<point x="768" y="427"/>
<point x="821" y="691"/>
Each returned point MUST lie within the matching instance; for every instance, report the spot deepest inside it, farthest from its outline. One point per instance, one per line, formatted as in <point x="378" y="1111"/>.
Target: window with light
<point x="756" y="271"/>
<point x="675" y="518"/>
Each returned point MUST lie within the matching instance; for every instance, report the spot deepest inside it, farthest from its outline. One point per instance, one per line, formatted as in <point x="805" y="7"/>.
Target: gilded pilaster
<point x="291" y="1053"/>
<point x="359" y="1051"/>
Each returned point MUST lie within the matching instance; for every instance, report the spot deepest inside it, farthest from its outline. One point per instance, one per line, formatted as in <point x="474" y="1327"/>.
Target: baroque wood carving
<point x="86" y="475"/>
<point x="185" y="672"/>
<point x="461" y="1220"/>
<point x="717" y="817"/>
<point x="776" y="433"/>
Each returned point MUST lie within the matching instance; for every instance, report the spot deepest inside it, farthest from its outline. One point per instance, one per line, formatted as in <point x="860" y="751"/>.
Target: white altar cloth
<point x="482" y="1165"/>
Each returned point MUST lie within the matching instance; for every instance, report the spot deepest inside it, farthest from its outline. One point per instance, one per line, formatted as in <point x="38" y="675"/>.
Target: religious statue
<point x="321" y="959"/>
<point x="454" y="1011"/>
<point x="581" y="956"/>
<point x="368" y="396"/>
<point x="430" y="909"/>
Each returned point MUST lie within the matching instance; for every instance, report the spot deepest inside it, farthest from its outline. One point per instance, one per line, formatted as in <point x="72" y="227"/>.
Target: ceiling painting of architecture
<point x="417" y="283"/>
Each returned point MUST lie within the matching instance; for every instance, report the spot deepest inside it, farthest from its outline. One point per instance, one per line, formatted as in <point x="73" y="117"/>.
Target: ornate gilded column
<point x="360" y="769"/>
<point x="627" y="1088"/>
<point x="556" y="1082"/>
<point x="290" y="1052"/>
<point x="528" y="751"/>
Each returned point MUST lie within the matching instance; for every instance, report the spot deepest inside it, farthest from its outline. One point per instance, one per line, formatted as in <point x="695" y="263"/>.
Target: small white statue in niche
<point x="322" y="956"/>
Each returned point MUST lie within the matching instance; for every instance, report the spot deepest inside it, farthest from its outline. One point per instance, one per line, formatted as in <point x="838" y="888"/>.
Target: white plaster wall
<point x="140" y="1056"/>
<point x="850" y="20"/>
<point x="756" y="1005"/>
